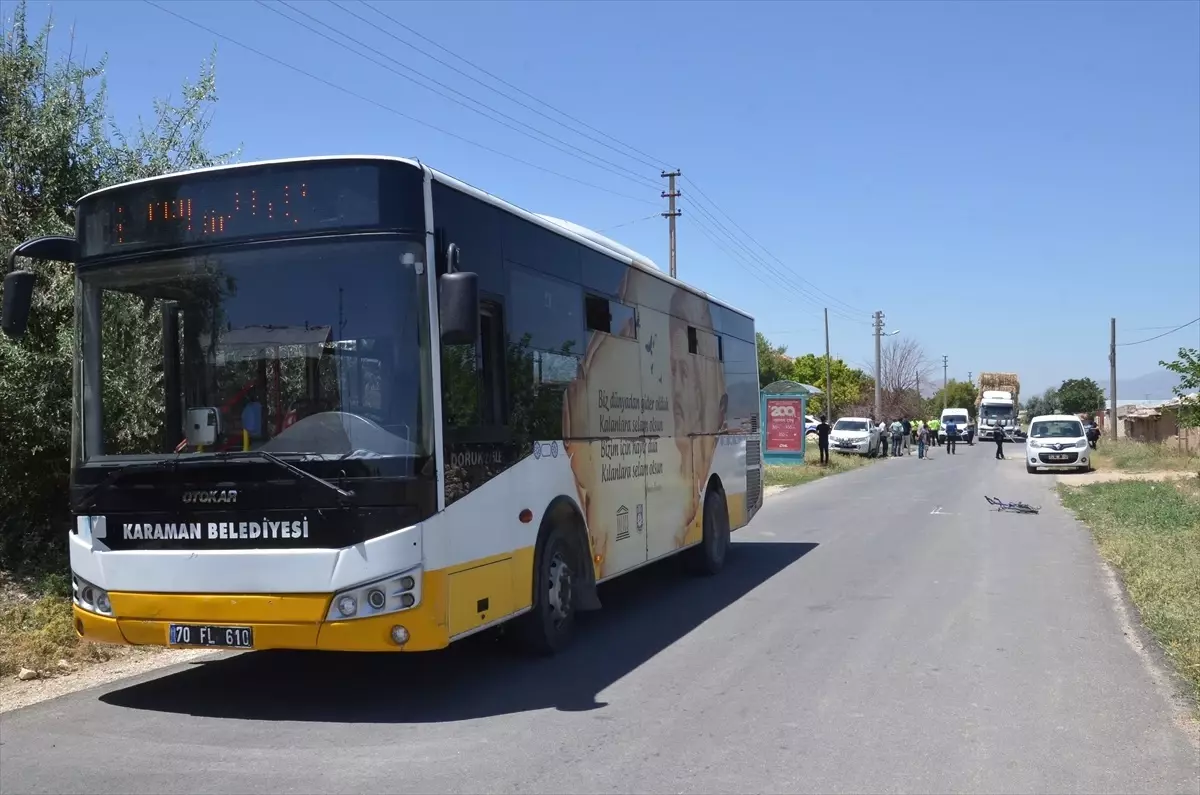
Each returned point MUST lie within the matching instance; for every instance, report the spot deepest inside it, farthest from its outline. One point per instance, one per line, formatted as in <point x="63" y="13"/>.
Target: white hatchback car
<point x="854" y="435"/>
<point x="1056" y="441"/>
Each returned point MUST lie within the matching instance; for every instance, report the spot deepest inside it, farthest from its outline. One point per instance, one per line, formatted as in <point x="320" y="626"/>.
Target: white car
<point x="854" y="435"/>
<point x="1057" y="441"/>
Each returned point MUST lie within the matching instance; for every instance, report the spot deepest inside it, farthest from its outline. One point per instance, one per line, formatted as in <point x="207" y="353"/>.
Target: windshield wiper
<point x="343" y="495"/>
<point x="89" y="498"/>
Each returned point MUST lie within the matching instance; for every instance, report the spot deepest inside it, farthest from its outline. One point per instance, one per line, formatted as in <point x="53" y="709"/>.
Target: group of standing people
<point x="902" y="434"/>
<point x="898" y="437"/>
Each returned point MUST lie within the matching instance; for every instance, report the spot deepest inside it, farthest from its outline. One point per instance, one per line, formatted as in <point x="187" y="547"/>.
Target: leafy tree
<point x="1045" y="403"/>
<point x="1080" y="396"/>
<point x="849" y="384"/>
<point x="1187" y="367"/>
<point x="57" y="143"/>
<point x="956" y="394"/>
<point x="773" y="364"/>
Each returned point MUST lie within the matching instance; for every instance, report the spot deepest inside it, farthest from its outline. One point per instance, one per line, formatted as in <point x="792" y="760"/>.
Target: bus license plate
<point x="212" y="637"/>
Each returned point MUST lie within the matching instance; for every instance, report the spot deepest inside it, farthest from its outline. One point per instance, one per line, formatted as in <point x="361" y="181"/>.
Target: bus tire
<point x="708" y="557"/>
<point x="549" y="626"/>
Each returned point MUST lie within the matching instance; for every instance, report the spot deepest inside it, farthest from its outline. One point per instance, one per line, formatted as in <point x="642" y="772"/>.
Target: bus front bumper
<point x="294" y="621"/>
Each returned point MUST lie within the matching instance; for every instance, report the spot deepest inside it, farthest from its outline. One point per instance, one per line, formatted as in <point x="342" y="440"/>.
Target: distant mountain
<point x="1155" y="386"/>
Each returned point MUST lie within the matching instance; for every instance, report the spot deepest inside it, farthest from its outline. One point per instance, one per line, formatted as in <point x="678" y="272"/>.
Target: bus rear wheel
<point x="708" y="557"/>
<point x="549" y="626"/>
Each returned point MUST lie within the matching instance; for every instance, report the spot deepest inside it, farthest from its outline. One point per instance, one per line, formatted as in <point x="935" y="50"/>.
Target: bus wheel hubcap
<point x="560" y="589"/>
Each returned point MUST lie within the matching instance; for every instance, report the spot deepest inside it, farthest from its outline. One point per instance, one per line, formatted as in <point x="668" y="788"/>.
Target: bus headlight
<point x="90" y="598"/>
<point x="400" y="591"/>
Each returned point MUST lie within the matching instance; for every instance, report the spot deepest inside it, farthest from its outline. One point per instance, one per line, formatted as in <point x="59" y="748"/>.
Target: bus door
<point x="668" y="457"/>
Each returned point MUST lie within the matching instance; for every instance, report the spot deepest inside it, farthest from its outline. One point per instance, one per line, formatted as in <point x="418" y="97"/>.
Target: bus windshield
<point x="315" y="348"/>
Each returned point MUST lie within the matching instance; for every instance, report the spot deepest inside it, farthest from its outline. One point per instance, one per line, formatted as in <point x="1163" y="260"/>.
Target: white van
<point x="962" y="419"/>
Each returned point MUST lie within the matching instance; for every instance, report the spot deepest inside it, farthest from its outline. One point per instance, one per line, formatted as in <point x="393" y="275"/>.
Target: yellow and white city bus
<point x="382" y="410"/>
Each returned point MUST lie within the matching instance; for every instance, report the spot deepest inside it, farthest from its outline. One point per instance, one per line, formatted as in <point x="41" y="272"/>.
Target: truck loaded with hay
<point x="997" y="404"/>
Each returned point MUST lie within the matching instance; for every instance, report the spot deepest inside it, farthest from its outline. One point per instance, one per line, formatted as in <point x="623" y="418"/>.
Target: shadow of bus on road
<point x="644" y="613"/>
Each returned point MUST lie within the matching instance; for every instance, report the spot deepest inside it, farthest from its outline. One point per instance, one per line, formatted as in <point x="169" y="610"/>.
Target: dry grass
<point x="1130" y="456"/>
<point x="810" y="470"/>
<point x="1151" y="533"/>
<point x="37" y="630"/>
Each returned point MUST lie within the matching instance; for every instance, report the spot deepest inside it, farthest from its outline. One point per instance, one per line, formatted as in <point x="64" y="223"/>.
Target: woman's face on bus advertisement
<point x="662" y="372"/>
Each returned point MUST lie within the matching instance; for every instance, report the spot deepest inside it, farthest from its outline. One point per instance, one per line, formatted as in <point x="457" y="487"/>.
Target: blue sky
<point x="999" y="178"/>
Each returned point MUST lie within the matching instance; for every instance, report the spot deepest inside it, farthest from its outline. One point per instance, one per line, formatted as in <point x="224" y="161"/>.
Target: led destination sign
<point x="230" y="205"/>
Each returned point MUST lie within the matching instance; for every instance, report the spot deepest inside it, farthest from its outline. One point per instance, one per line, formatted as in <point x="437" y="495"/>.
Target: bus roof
<point x="575" y="232"/>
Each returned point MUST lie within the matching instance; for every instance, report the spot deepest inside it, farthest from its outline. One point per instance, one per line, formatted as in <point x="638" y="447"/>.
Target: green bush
<point x="57" y="143"/>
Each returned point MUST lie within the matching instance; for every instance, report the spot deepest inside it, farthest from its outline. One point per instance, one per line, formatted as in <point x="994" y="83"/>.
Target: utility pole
<point x="970" y="373"/>
<point x="671" y="195"/>
<point x="828" y="378"/>
<point x="1112" y="378"/>
<point x="945" y="367"/>
<point x="878" y="366"/>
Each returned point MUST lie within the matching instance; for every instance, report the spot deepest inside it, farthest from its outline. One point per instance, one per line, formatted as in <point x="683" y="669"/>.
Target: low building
<point x="1160" y="423"/>
<point x="1123" y="409"/>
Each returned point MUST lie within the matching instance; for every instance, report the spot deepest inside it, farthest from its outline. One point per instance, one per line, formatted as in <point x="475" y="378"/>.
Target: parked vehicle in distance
<point x="997" y="404"/>
<point x="1056" y="441"/>
<point x="810" y="425"/>
<point x="855" y="435"/>
<point x="961" y="418"/>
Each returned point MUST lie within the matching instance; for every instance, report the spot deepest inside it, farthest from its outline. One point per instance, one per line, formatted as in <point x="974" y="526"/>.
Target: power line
<point x="510" y="98"/>
<point x="629" y="223"/>
<point x="559" y="144"/>
<point x="1160" y="336"/>
<point x="757" y="269"/>
<point x="1155" y="328"/>
<point x="697" y="188"/>
<point x="834" y="299"/>
<point x="756" y="260"/>
<point x="704" y="231"/>
<point x="756" y="263"/>
<point x="739" y="255"/>
<point x="394" y="111"/>
<point x="652" y="161"/>
<point x="587" y="156"/>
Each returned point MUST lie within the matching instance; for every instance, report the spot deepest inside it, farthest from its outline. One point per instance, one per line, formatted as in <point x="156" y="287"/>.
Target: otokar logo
<point x="213" y="497"/>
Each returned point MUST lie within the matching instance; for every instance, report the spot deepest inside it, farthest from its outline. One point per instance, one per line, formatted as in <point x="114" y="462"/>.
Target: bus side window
<point x="473" y="378"/>
<point x="491" y="364"/>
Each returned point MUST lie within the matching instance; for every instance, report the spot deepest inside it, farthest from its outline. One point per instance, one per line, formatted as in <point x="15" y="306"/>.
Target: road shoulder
<point x="15" y="694"/>
<point x="1146" y="528"/>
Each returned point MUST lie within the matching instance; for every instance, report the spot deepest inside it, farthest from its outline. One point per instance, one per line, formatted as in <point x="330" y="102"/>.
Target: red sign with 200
<point x="785" y="425"/>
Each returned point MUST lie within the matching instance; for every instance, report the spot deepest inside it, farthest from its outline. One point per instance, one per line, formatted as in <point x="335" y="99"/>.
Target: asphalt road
<point x="880" y="631"/>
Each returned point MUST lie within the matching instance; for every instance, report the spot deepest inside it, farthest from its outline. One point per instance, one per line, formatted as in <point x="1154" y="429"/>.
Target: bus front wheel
<point x="550" y="624"/>
<point x="708" y="557"/>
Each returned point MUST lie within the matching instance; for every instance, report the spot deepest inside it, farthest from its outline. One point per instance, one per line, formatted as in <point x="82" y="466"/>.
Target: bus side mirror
<point x="458" y="306"/>
<point x="18" y="298"/>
